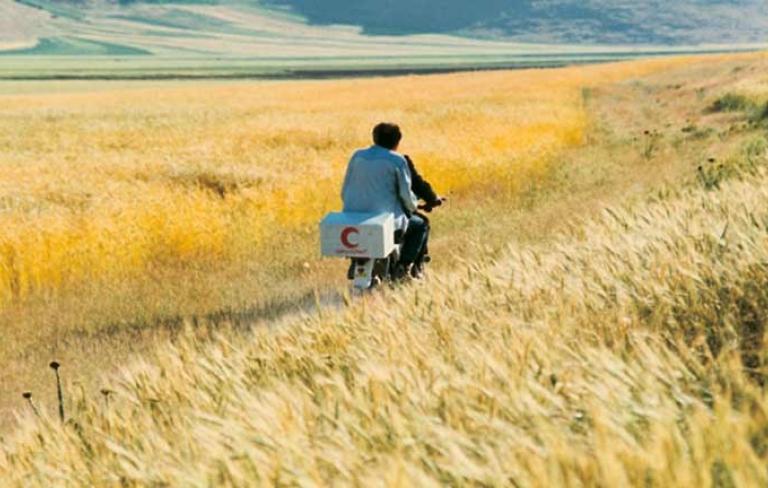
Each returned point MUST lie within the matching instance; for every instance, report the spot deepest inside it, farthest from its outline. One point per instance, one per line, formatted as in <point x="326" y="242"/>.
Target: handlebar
<point x="428" y="207"/>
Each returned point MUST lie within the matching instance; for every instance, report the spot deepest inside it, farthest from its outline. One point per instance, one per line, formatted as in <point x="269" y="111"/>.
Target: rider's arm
<point x="421" y="187"/>
<point x="407" y="197"/>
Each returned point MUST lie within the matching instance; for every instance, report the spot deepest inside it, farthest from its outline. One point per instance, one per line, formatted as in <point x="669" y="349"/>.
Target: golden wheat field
<point x="606" y="360"/>
<point x="125" y="205"/>
<point x="596" y="316"/>
<point x="103" y="185"/>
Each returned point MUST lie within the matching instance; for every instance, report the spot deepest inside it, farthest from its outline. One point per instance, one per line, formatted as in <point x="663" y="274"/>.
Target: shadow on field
<point x="237" y="319"/>
<point x="113" y="346"/>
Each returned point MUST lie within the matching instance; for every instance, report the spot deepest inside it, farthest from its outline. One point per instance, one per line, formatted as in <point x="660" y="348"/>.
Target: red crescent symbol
<point x="346" y="234"/>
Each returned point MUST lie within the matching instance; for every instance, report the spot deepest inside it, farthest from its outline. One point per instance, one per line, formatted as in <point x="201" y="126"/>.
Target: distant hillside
<point x="570" y="21"/>
<point x="200" y="28"/>
<point x="20" y="25"/>
<point x="363" y="28"/>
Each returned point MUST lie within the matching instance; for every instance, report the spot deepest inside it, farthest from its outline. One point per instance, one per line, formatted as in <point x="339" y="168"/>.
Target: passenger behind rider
<point x="423" y="191"/>
<point x="379" y="180"/>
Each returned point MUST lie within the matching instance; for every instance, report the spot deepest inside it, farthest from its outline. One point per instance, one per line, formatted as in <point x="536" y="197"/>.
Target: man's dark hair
<point x="387" y="135"/>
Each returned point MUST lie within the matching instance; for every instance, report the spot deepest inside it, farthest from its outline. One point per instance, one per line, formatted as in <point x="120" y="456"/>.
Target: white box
<point x="357" y="235"/>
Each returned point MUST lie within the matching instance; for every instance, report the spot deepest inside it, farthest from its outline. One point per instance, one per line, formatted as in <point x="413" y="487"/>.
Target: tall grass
<point x="749" y="96"/>
<point x="629" y="352"/>
<point x="107" y="185"/>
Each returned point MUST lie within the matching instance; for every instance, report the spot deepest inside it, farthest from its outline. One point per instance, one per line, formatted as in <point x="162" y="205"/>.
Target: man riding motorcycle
<point x="378" y="180"/>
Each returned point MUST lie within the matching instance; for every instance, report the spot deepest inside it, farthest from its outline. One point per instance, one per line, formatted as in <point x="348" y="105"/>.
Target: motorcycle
<point x="372" y="245"/>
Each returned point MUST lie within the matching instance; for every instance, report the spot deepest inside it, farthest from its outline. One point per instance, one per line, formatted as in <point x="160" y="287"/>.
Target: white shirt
<point x="378" y="180"/>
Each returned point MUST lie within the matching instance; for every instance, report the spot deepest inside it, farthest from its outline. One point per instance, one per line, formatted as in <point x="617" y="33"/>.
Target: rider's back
<point x="378" y="181"/>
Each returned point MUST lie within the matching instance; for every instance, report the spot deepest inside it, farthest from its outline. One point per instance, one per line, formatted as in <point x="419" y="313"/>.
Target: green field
<point x="45" y="66"/>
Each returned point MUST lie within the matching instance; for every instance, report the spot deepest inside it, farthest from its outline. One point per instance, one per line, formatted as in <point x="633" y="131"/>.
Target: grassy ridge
<point x="629" y="353"/>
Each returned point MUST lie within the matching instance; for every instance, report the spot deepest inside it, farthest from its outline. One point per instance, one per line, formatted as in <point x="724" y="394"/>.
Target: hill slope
<point x="299" y="28"/>
<point x="559" y="21"/>
<point x="204" y="29"/>
<point x="20" y="25"/>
